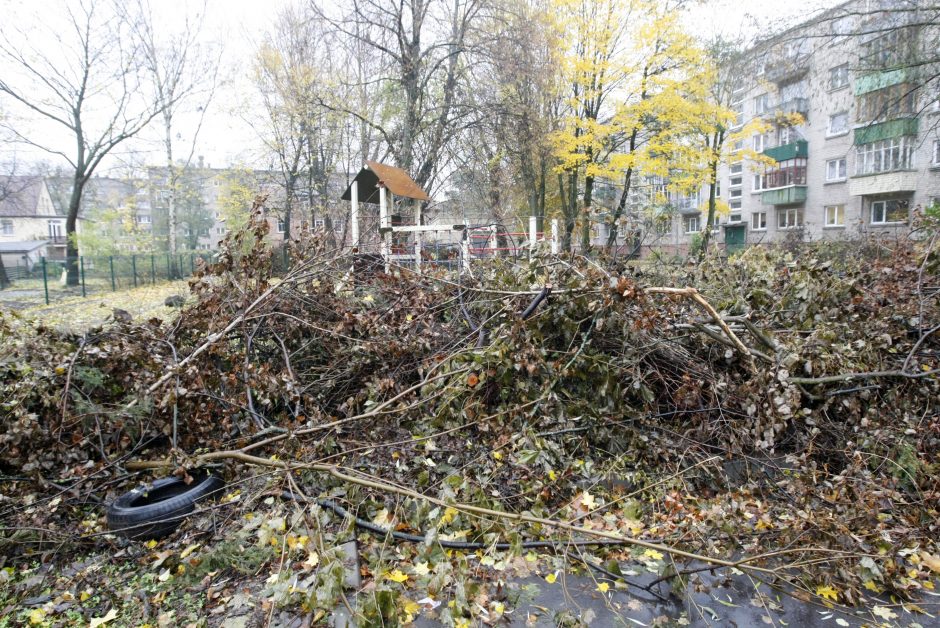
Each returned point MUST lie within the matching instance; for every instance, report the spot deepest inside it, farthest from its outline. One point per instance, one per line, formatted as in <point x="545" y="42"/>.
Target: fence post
<point x="555" y="236"/>
<point x="192" y="265"/>
<point x="153" y="270"/>
<point x="45" y="279"/>
<point x="134" y="268"/>
<point x="81" y="265"/>
<point x="169" y="268"/>
<point x="111" y="264"/>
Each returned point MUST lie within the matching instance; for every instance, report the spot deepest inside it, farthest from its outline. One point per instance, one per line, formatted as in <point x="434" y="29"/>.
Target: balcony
<point x="876" y="132"/>
<point x="786" y="69"/>
<point x="794" y="105"/>
<point x="790" y="195"/>
<point x="793" y="150"/>
<point x="883" y="183"/>
<point x="57" y="240"/>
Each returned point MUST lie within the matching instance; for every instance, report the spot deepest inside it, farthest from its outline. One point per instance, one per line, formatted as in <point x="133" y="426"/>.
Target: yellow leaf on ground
<point x="653" y="554"/>
<point x="37" y="616"/>
<point x="827" y="592"/>
<point x="313" y="559"/>
<point x="884" y="612"/>
<point x="101" y="621"/>
<point x="421" y="569"/>
<point x="550" y="578"/>
<point x="189" y="550"/>
<point x="449" y="513"/>
<point x="588" y="501"/>
<point x="931" y="561"/>
<point x="396" y="576"/>
<point x="603" y="587"/>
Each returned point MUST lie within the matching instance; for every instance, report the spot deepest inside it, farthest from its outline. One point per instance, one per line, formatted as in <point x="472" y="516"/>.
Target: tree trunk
<point x="4" y="280"/>
<point x="586" y="226"/>
<point x="173" y="183"/>
<point x="621" y="207"/>
<point x="712" y="185"/>
<point x="71" y="232"/>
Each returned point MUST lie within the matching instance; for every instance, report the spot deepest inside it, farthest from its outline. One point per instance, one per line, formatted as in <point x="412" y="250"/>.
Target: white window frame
<point x="793" y="218"/>
<point x="884" y="212"/>
<point x="758" y="143"/>
<point x="144" y="219"/>
<point x="761" y="104"/>
<point x="839" y="71"/>
<point x="834" y="216"/>
<point x="220" y="230"/>
<point x="280" y="225"/>
<point x="689" y="221"/>
<point x="319" y="223"/>
<point x="736" y="168"/>
<point x="830" y="132"/>
<point x="734" y="216"/>
<point x="936" y="152"/>
<point x="840" y="169"/>
<point x="759" y="221"/>
<point x="888" y="155"/>
<point x="758" y="183"/>
<point x="734" y="204"/>
<point x="6" y="228"/>
<point x="735" y="192"/>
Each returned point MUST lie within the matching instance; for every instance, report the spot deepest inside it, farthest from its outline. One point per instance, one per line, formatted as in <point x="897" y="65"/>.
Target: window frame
<point x="886" y="212"/>
<point x="7" y="228"/>
<point x="762" y="221"/>
<point x="281" y="227"/>
<point x="786" y="225"/>
<point x="936" y="153"/>
<point x="841" y="173"/>
<point x="845" y="128"/>
<point x="687" y="224"/>
<point x="897" y="152"/>
<point x="839" y="216"/>
<point x="839" y="70"/>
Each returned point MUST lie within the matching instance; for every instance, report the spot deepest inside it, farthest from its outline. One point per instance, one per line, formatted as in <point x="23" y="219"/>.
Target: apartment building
<point x="864" y="152"/>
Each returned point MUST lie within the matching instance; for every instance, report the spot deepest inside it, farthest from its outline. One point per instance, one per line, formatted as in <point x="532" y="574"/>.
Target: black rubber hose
<point x="529" y="311"/>
<point x="464" y="545"/>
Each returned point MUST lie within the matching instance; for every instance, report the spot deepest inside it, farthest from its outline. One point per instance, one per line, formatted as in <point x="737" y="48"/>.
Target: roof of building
<point x="26" y="246"/>
<point x="394" y="179"/>
<point x="19" y="196"/>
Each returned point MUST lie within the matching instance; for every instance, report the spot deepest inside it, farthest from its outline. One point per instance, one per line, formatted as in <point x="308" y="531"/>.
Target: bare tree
<point x="83" y="79"/>
<point x="183" y="73"/>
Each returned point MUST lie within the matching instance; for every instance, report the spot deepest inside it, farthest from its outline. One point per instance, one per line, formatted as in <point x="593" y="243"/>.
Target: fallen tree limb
<point x="829" y="379"/>
<point x="341" y="474"/>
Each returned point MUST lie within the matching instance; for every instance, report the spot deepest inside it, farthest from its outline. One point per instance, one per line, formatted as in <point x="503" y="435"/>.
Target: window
<point x="790" y="218"/>
<point x="204" y="232"/>
<point x="281" y="227"/>
<point x="835" y="215"/>
<point x="736" y="168"/>
<point x="884" y="156"/>
<point x="888" y="103"/>
<point x="761" y="104"/>
<point x="663" y="226"/>
<point x="786" y="135"/>
<point x="6" y="227"/>
<point x="691" y="224"/>
<point x="758" y="182"/>
<point x="717" y="188"/>
<point x="738" y="145"/>
<point x="758" y="143"/>
<point x="884" y="212"/>
<point x="144" y="219"/>
<point x="339" y="225"/>
<point x="889" y="49"/>
<point x="318" y="223"/>
<point x="788" y="172"/>
<point x="735" y="203"/>
<point x="734" y="217"/>
<point x="936" y="152"/>
<point x="839" y="76"/>
<point x="835" y="169"/>
<point x="734" y="193"/>
<point x="759" y="221"/>
<point x="838" y="123"/>
<point x="220" y="230"/>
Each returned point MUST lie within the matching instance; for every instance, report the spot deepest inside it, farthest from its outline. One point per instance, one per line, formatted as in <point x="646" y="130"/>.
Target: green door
<point x="734" y="238"/>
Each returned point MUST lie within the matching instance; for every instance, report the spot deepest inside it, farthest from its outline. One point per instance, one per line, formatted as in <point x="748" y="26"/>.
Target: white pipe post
<point x="386" y="232"/>
<point x="533" y="233"/>
<point x="354" y="202"/>
<point x="465" y="251"/>
<point x="418" y="239"/>
<point x="495" y="245"/>
<point x="554" y="236"/>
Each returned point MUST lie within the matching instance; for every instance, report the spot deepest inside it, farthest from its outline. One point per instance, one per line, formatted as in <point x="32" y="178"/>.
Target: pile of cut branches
<point x="786" y="405"/>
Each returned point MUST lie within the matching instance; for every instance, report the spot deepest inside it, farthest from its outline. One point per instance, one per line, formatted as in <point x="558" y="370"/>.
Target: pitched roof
<point x="394" y="179"/>
<point x="19" y="195"/>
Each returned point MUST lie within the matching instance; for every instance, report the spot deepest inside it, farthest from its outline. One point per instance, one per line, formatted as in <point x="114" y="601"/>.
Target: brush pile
<point x="804" y="417"/>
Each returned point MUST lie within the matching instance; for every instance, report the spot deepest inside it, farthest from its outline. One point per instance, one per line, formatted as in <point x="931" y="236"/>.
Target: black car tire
<point x="155" y="510"/>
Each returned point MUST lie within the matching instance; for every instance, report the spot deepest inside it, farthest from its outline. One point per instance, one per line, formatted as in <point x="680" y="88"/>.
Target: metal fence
<point x="102" y="273"/>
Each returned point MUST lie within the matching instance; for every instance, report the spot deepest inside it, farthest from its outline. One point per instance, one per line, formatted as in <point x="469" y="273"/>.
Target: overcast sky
<point x="239" y="26"/>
